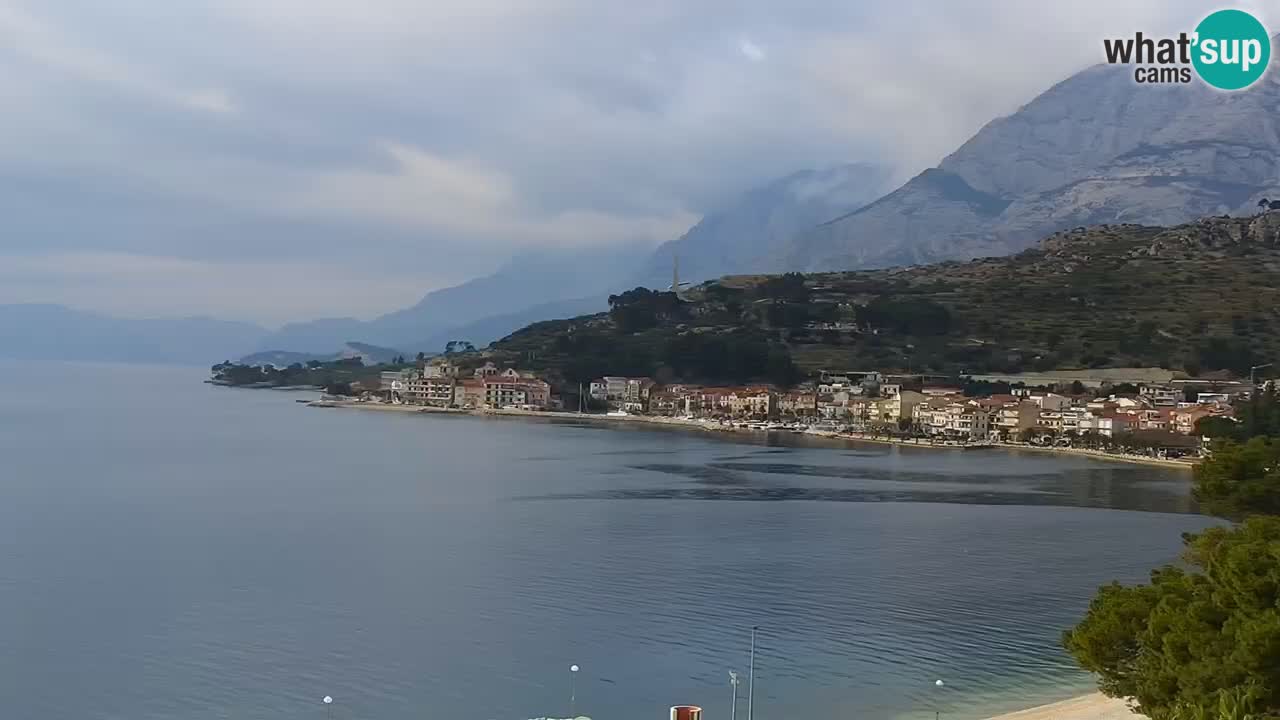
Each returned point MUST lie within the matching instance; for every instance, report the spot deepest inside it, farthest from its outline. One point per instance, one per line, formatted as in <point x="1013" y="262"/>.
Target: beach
<point x="665" y="421"/>
<point x="1087" y="707"/>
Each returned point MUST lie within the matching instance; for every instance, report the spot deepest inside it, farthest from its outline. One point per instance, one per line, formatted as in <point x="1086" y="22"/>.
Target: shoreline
<point x="663" y="421"/>
<point x="1094" y="706"/>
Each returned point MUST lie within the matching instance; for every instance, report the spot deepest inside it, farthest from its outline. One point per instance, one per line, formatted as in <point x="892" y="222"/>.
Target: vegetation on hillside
<point x="336" y="376"/>
<point x="1199" y="298"/>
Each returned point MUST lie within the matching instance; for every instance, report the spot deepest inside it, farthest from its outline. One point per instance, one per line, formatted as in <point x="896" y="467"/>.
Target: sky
<point x="277" y="160"/>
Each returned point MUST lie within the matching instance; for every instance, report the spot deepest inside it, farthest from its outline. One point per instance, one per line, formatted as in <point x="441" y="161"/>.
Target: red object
<point x="686" y="712"/>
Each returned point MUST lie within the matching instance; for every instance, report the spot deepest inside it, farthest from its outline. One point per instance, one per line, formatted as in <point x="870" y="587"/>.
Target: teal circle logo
<point x="1232" y="49"/>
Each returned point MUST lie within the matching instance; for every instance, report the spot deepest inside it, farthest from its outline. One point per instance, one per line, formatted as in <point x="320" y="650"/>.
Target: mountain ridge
<point x="1093" y="148"/>
<point x="1081" y="298"/>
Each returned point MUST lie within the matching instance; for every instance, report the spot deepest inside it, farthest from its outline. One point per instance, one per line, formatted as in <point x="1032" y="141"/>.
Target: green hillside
<point x="1199" y="297"/>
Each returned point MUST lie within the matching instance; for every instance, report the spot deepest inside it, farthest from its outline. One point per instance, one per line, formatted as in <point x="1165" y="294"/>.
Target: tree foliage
<point x="909" y="316"/>
<point x="1238" y="480"/>
<point x="642" y="309"/>
<point x="1260" y="417"/>
<point x="1195" y="638"/>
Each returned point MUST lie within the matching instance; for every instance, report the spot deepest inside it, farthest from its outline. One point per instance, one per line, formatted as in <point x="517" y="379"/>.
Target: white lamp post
<point x="937" y="713"/>
<point x="733" y="706"/>
<point x="751" y="677"/>
<point x="328" y="705"/>
<point x="573" y="691"/>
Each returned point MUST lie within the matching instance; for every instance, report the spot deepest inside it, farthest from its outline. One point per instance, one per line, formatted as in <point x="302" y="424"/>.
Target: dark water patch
<point x="706" y="474"/>
<point x="724" y="490"/>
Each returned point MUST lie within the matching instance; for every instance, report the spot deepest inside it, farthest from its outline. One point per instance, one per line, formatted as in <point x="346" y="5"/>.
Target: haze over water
<point x="170" y="549"/>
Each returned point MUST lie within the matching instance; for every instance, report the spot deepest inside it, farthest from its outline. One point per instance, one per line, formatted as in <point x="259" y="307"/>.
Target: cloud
<point x="28" y="37"/>
<point x="750" y="50"/>
<point x="369" y="140"/>
<point x="456" y="199"/>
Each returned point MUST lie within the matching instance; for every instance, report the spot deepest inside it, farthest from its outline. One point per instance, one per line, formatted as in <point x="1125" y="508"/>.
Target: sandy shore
<point x="716" y="427"/>
<point x="1088" y="707"/>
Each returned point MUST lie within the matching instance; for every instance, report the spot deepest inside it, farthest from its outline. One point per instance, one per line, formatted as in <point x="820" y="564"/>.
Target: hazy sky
<point x="289" y="159"/>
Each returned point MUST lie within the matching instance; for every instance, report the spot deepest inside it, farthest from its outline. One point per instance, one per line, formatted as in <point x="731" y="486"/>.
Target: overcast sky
<point x="278" y="160"/>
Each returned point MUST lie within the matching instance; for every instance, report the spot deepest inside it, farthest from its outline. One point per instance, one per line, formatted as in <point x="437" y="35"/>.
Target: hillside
<point x="1199" y="297"/>
<point x="1095" y="148"/>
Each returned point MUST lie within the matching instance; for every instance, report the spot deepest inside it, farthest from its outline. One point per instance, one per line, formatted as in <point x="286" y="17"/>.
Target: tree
<point x="1240" y="480"/>
<point x="1197" y="638"/>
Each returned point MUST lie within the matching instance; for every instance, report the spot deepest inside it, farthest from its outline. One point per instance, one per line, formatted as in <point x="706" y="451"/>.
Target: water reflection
<point x="1118" y="487"/>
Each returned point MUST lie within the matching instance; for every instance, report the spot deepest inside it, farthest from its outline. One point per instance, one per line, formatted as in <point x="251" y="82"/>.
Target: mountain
<point x="54" y="332"/>
<point x="744" y="235"/>
<point x="1195" y="297"/>
<point x="485" y="330"/>
<point x="548" y="284"/>
<point x="530" y="279"/>
<point x="1095" y="148"/>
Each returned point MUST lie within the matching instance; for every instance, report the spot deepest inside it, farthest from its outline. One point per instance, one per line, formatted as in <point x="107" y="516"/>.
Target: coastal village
<point x="1161" y="418"/>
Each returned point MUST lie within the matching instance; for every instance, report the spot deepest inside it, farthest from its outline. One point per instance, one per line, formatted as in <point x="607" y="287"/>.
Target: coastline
<point x="1086" y="707"/>
<point x="664" y="421"/>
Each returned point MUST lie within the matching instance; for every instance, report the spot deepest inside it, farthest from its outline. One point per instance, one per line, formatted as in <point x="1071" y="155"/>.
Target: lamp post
<point x="1253" y="384"/>
<point x="573" y="691"/>
<point x="328" y="706"/>
<point x="733" y="705"/>
<point x="751" y="677"/>
<point x="937" y="699"/>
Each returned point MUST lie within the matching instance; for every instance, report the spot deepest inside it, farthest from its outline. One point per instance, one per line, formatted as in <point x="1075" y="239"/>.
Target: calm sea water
<point x="174" y="550"/>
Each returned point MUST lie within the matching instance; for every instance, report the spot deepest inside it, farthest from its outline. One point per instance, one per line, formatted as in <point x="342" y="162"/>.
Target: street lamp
<point x="751" y="677"/>
<point x="936" y="712"/>
<point x="328" y="705"/>
<point x="1252" y="384"/>
<point x="733" y="706"/>
<point x="573" y="691"/>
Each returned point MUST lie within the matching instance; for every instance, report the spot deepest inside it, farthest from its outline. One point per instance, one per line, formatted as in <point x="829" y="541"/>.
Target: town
<point x="1160" y="419"/>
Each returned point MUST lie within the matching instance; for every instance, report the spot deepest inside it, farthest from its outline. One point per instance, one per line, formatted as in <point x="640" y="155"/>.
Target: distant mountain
<point x="54" y="332"/>
<point x="486" y="330"/>
<point x="748" y="233"/>
<point x="1095" y="148"/>
<point x="554" y="284"/>
<point x="544" y="277"/>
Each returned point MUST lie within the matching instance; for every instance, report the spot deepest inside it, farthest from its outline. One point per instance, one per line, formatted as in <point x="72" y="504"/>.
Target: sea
<point x="171" y="549"/>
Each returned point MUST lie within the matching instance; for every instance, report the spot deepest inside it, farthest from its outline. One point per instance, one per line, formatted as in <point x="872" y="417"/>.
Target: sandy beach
<point x="1088" y="707"/>
<point x="715" y="427"/>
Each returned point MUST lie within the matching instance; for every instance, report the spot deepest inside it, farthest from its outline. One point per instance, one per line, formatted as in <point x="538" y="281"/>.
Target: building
<point x="1160" y="395"/>
<point x="469" y="393"/>
<point x="798" y="404"/>
<point x="900" y="404"/>
<point x="636" y="396"/>
<point x="954" y="417"/>
<point x="503" y="393"/>
<point x="393" y="383"/>
<point x="433" y="391"/>
<point x="1015" y="416"/>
